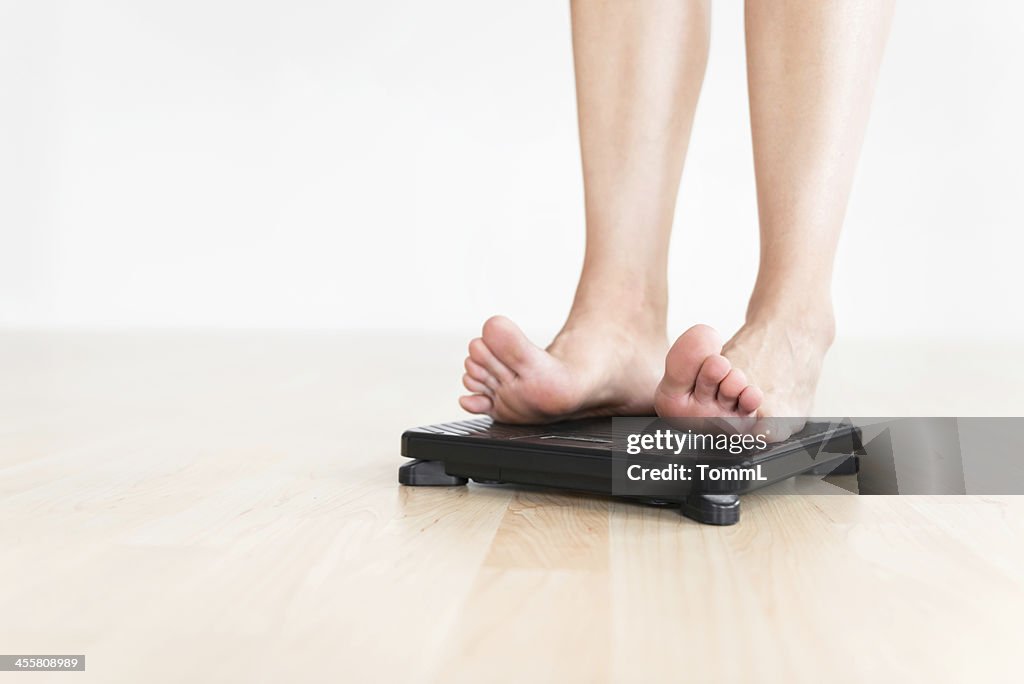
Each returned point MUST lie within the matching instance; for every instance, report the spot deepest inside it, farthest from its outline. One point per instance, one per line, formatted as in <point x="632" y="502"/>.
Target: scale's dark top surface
<point x="587" y="455"/>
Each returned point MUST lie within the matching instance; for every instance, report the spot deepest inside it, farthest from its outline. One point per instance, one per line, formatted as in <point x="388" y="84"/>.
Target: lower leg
<point x="639" y="68"/>
<point x="811" y="70"/>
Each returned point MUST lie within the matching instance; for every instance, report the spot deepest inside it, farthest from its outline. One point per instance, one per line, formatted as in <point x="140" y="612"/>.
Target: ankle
<point x="813" y="319"/>
<point x="636" y="306"/>
<point x="620" y="325"/>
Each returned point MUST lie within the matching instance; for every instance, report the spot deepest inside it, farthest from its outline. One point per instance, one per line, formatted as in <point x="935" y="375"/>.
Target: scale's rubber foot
<point x="419" y="473"/>
<point x="712" y="509"/>
<point x="850" y="466"/>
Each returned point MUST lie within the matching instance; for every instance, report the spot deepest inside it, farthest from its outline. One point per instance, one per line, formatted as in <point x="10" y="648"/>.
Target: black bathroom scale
<point x="587" y="456"/>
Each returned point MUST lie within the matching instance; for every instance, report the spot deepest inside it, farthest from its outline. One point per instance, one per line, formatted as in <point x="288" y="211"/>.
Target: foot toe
<point x="712" y="372"/>
<point x="474" y="385"/>
<point x="508" y="343"/>
<point x="476" y="403"/>
<point x="481" y="353"/>
<point x="686" y="357"/>
<point x="730" y="388"/>
<point x="750" y="399"/>
<point x="481" y="374"/>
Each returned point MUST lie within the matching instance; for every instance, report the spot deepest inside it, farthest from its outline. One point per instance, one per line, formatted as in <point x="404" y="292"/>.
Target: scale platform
<point x="582" y="455"/>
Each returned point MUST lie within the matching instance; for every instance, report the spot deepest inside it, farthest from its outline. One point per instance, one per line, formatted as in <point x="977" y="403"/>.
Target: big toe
<point x="686" y="357"/>
<point x="713" y="371"/>
<point x="508" y="343"/>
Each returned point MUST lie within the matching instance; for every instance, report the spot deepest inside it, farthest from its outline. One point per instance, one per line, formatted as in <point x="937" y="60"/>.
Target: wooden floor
<point x="224" y="507"/>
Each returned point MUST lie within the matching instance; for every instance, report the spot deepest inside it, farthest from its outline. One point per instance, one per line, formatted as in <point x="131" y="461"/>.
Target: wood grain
<point x="224" y="507"/>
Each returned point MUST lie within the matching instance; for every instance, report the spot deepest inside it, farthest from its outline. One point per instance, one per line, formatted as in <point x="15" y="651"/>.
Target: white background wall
<point x="414" y="165"/>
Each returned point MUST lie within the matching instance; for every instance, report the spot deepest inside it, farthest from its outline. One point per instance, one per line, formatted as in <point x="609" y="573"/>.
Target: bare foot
<point x="768" y="371"/>
<point x="592" y="368"/>
<point x="700" y="382"/>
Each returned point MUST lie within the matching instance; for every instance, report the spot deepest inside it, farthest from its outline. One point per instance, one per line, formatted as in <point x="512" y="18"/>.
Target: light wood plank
<point x="224" y="506"/>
